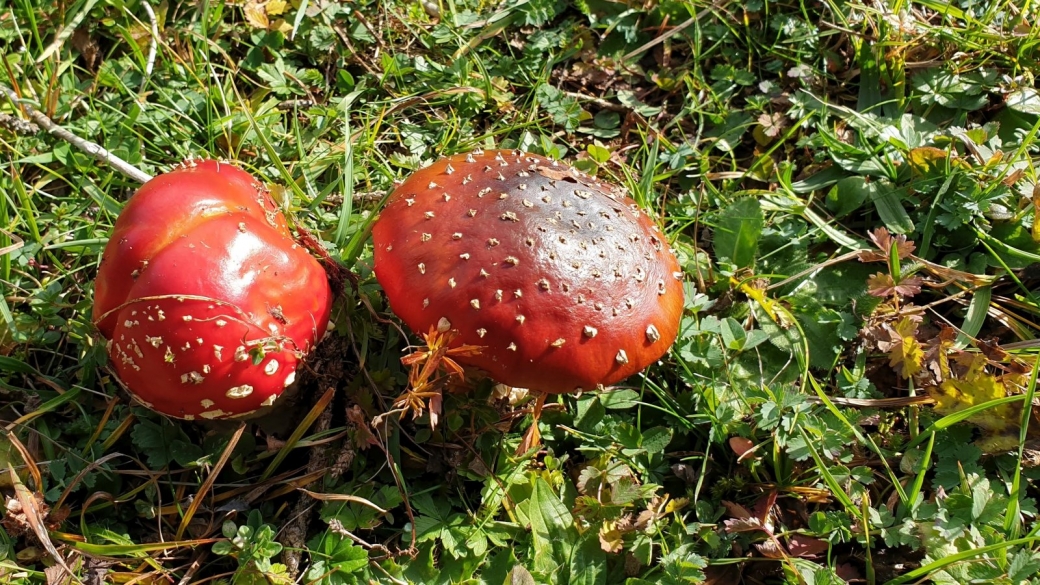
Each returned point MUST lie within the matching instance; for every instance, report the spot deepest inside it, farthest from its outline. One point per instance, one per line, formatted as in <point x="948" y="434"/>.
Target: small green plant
<point x="252" y="545"/>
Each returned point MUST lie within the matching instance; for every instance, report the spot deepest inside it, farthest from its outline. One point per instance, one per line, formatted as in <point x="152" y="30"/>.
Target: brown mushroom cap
<point x="566" y="283"/>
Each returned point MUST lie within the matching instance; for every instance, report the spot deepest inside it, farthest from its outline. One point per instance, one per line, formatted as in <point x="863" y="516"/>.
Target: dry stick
<point x="153" y="46"/>
<point x="95" y="151"/>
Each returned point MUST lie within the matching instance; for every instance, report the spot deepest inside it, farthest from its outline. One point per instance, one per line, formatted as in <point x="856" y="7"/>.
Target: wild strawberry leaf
<point x="884" y="242"/>
<point x="905" y="353"/>
<point x="883" y="285"/>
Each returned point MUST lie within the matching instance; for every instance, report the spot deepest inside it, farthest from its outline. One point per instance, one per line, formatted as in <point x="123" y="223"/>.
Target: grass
<point x="851" y="190"/>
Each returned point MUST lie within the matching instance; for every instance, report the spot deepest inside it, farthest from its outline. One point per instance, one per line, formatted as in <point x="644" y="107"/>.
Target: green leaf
<point x="656" y="439"/>
<point x="737" y="232"/>
<point x="889" y="203"/>
<point x="335" y="559"/>
<point x="976" y="316"/>
<point x="1025" y="100"/>
<point x="850" y="193"/>
<point x="157" y="441"/>
<point x="846" y="196"/>
<point x="590" y="413"/>
<point x="683" y="566"/>
<point x="1024" y="565"/>
<point x="553" y="533"/>
<point x="820" y="180"/>
<point x="619" y="399"/>
<point x="588" y="564"/>
<point x="733" y="334"/>
<point x="499" y="569"/>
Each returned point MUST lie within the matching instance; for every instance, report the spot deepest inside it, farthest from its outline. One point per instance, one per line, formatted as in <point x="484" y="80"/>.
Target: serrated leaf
<point x="1024" y="565"/>
<point x="737" y="232"/>
<point x="588" y="562"/>
<point x="625" y="491"/>
<point x="905" y="353"/>
<point x="256" y="14"/>
<point x="156" y="441"/>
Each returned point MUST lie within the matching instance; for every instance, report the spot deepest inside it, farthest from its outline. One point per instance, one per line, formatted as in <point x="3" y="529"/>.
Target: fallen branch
<point x="93" y="150"/>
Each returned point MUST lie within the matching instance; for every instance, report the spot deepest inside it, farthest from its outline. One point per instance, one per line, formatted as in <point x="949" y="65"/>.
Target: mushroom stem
<point x="533" y="438"/>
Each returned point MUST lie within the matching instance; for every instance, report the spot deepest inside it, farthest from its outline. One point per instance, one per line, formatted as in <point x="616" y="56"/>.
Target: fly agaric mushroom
<point x="565" y="283"/>
<point x="206" y="301"/>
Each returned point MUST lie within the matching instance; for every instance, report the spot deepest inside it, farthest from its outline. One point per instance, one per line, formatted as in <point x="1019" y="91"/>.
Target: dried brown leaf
<point x="883" y="285"/>
<point x="771" y="549"/>
<point x="763" y="506"/>
<point x="805" y="546"/>
<point x="360" y="431"/>
<point x="33" y="511"/>
<point x="884" y="242"/>
<point x="736" y="510"/>
<point x="741" y="446"/>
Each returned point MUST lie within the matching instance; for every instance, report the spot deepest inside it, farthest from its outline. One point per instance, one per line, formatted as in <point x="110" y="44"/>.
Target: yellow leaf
<point x="956" y="395"/>
<point x="255" y="14"/>
<point x="281" y="26"/>
<point x="998" y="443"/>
<point x="276" y="7"/>
<point x="610" y="539"/>
<point x="927" y="158"/>
<point x="905" y="353"/>
<point x="676" y="505"/>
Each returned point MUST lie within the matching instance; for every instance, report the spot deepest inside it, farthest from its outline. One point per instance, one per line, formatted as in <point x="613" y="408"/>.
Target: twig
<point x="93" y="150"/>
<point x="18" y="125"/>
<point x="153" y="46"/>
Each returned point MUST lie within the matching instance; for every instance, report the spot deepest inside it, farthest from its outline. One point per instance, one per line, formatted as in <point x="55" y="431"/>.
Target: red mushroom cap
<point x="562" y="279"/>
<point x="206" y="301"/>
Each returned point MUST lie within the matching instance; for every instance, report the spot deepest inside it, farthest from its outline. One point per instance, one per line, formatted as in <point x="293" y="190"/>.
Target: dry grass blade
<point x="344" y="498"/>
<point x="18" y="243"/>
<point x="31" y="512"/>
<point x="29" y="462"/>
<point x="210" y="479"/>
<point x="897" y="402"/>
<point x="294" y="439"/>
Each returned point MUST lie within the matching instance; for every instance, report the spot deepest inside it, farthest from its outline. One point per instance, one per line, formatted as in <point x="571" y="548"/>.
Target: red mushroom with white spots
<point x="565" y="283"/>
<point x="207" y="302"/>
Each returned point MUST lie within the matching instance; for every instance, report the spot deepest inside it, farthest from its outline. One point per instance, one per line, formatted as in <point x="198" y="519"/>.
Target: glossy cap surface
<point x="562" y="279"/>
